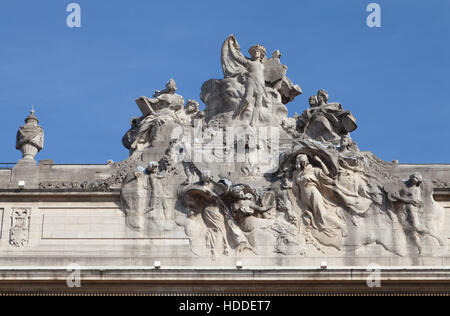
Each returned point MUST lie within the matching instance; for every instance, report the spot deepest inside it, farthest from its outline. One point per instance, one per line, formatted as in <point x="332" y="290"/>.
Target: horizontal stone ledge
<point x="225" y="274"/>
<point x="216" y="268"/>
<point x="441" y="191"/>
<point x="18" y="192"/>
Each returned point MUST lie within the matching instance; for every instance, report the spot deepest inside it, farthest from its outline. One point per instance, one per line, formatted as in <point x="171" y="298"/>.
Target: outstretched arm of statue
<point x="234" y="62"/>
<point x="258" y="208"/>
<point x="346" y="166"/>
<point x="322" y="165"/>
<point x="331" y="117"/>
<point x="396" y="197"/>
<point x="235" y="52"/>
<point x="417" y="203"/>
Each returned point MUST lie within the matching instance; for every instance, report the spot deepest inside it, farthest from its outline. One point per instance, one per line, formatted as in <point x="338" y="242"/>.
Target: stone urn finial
<point x="30" y="138"/>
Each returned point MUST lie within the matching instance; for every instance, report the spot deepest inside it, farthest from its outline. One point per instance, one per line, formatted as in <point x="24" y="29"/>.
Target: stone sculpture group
<point x="324" y="195"/>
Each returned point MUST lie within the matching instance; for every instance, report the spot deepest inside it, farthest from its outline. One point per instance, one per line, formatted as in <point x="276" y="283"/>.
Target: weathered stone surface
<point x="239" y="181"/>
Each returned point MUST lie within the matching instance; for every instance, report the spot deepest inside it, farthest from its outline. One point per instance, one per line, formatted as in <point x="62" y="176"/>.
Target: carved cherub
<point x="157" y="199"/>
<point x="284" y="203"/>
<point x="347" y="145"/>
<point x="408" y="200"/>
<point x="244" y="203"/>
<point x="192" y="107"/>
<point x="410" y="195"/>
<point x="192" y="112"/>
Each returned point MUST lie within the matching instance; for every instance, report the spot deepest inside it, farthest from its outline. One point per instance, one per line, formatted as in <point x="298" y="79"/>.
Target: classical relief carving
<point x="20" y="227"/>
<point x="238" y="216"/>
<point x="441" y="184"/>
<point x="144" y="197"/>
<point x="267" y="229"/>
<point x="408" y="207"/>
<point x="346" y="201"/>
<point x="210" y="219"/>
<point x="114" y="182"/>
<point x="324" y="197"/>
<point x="284" y="203"/>
<point x="316" y="189"/>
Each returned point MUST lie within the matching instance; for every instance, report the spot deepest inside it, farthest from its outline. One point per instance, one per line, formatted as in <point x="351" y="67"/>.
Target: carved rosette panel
<point x="20" y="227"/>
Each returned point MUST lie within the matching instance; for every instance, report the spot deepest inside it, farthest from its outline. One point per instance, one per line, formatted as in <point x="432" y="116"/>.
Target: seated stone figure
<point x="166" y="106"/>
<point x="325" y="122"/>
<point x="166" y="99"/>
<point x="142" y="132"/>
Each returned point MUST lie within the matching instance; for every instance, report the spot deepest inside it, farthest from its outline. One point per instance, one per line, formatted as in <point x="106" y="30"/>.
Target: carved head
<point x="238" y="192"/>
<point x="416" y="178"/>
<point x="171" y="86"/>
<point x="152" y="167"/>
<point x="248" y="196"/>
<point x="345" y="141"/>
<point x="206" y="177"/>
<point x="257" y="52"/>
<point x="192" y="107"/>
<point x="313" y="102"/>
<point x="301" y="161"/>
<point x="322" y="97"/>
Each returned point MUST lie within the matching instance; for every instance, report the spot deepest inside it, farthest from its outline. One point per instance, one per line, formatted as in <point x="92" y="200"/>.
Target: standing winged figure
<point x="264" y="79"/>
<point x="251" y="70"/>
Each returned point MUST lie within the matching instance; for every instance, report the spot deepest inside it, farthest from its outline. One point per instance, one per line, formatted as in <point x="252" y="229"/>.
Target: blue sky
<point x="83" y="81"/>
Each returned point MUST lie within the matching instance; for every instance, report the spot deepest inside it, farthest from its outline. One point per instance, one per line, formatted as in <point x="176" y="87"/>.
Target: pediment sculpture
<point x="325" y="196"/>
